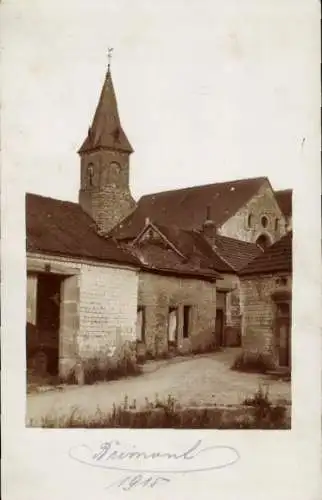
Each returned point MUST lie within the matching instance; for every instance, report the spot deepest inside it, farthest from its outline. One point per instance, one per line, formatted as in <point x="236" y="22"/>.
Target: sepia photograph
<point x="160" y="249"/>
<point x="167" y="308"/>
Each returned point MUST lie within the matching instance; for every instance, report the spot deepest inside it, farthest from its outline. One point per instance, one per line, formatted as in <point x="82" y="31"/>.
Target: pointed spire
<point x="106" y="130"/>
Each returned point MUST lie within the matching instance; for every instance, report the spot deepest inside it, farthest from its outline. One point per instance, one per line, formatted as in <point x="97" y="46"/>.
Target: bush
<point x="253" y="362"/>
<point x="99" y="369"/>
<point x="70" y="379"/>
<point x="104" y="368"/>
<point x="254" y="414"/>
<point x="166" y="355"/>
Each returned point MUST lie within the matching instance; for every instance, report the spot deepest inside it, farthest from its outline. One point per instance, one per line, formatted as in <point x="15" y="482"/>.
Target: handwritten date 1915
<point x="128" y="483"/>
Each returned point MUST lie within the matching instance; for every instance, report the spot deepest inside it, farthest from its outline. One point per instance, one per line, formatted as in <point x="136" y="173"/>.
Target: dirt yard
<point x="197" y="380"/>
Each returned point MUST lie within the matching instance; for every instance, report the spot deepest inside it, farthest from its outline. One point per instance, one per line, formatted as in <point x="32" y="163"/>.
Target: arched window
<point x="263" y="241"/>
<point x="264" y="221"/>
<point x="90" y="174"/>
<point x="114" y="173"/>
<point x="276" y="224"/>
<point x="250" y="220"/>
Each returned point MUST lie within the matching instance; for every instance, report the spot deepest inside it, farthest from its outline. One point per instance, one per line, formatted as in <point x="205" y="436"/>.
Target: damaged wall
<point x="159" y="292"/>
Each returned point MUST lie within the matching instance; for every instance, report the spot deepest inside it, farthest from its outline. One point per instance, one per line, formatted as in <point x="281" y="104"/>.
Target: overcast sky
<point x="207" y="90"/>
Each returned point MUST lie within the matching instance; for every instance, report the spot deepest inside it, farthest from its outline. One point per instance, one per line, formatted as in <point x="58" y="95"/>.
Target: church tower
<point x="104" y="191"/>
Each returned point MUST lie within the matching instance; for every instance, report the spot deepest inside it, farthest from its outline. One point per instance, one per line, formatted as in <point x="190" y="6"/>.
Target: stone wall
<point x="258" y="308"/>
<point x="159" y="292"/>
<point x="263" y="203"/>
<point x="98" y="307"/>
<point x="108" y="306"/>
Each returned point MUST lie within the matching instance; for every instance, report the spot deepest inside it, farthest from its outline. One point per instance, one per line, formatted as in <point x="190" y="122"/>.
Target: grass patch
<point x="255" y="413"/>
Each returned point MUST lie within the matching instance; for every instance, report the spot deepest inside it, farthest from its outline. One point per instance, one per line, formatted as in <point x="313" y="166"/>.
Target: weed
<point x="266" y="415"/>
<point x="253" y="362"/>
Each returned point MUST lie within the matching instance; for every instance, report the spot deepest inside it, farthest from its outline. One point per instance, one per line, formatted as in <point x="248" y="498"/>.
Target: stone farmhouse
<point x="81" y="288"/>
<point x="171" y="272"/>
<point x="266" y="286"/>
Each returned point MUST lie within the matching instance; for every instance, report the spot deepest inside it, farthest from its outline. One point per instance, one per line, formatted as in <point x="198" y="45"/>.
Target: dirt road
<point x="196" y="380"/>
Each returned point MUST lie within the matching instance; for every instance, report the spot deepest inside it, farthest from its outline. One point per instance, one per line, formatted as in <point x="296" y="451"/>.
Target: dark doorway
<point x="140" y="324"/>
<point x="283" y="334"/>
<point x="219" y="333"/>
<point x="172" y="327"/>
<point x="186" y="321"/>
<point x="263" y="241"/>
<point x="48" y="318"/>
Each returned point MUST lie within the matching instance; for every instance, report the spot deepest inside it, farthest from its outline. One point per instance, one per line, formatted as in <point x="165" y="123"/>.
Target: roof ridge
<point x="58" y="227"/>
<point x="202" y="186"/>
<point x="27" y="194"/>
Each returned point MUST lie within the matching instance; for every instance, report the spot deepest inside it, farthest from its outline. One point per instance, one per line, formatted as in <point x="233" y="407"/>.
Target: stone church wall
<point x="262" y="204"/>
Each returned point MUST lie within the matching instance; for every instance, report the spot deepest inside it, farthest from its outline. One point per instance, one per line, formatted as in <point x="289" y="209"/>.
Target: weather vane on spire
<point x="109" y="57"/>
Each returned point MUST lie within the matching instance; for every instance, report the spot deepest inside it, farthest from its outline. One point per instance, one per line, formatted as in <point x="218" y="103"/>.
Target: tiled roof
<point x="156" y="258"/>
<point x="187" y="208"/>
<point x="236" y="253"/>
<point x="63" y="228"/>
<point x="226" y="256"/>
<point x="176" y="251"/>
<point x="106" y="130"/>
<point x="284" y="199"/>
<point x="277" y="257"/>
<point x="192" y="243"/>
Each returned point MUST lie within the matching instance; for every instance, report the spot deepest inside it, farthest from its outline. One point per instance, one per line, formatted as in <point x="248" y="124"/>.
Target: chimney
<point x="209" y="229"/>
<point x="147" y="221"/>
